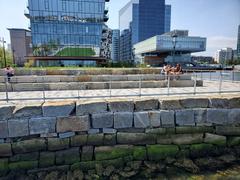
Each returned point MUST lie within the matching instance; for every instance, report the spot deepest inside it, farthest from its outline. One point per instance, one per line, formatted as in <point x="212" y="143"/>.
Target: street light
<point x="4" y="54"/>
<point x="174" y="38"/>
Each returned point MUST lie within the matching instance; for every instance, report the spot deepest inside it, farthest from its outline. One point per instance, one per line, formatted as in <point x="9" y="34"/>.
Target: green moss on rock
<point x="201" y="150"/>
<point x="158" y="152"/>
<point x="233" y="141"/>
<point x="23" y="165"/>
<point x="85" y="166"/>
<point x="140" y="153"/>
<point x="47" y="159"/>
<point x="108" y="152"/>
<point x="3" y="167"/>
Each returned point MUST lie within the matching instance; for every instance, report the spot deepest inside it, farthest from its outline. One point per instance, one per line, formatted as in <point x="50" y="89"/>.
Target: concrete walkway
<point x="208" y="88"/>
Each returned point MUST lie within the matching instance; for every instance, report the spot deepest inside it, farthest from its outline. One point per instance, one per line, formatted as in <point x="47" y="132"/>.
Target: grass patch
<point x="76" y="52"/>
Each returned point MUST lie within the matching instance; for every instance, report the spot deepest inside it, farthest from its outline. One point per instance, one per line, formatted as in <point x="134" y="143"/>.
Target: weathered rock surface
<point x="123" y="120"/>
<point x="18" y="127"/>
<point x="104" y="120"/>
<point x="42" y="125"/>
<point x="121" y="105"/>
<point x="141" y="120"/>
<point x="58" y="109"/>
<point x="90" y="107"/>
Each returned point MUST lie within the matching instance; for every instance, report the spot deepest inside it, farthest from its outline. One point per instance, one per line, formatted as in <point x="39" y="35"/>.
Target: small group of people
<point x="9" y="71"/>
<point x="171" y="70"/>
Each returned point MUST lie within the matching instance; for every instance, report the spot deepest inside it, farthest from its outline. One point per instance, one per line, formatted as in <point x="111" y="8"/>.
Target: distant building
<point x="115" y="56"/>
<point x="140" y="20"/>
<point x="20" y="45"/>
<point x="166" y="48"/>
<point x="106" y="43"/>
<point x="238" y="42"/>
<point x="203" y="59"/>
<point x="223" y="56"/>
<point x="67" y="32"/>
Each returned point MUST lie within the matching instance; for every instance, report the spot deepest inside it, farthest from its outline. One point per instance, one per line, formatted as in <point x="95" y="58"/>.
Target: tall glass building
<point x="144" y="19"/>
<point x="67" y="28"/>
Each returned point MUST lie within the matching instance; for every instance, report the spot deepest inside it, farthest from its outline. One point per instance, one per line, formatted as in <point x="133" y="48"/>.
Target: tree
<point x="9" y="58"/>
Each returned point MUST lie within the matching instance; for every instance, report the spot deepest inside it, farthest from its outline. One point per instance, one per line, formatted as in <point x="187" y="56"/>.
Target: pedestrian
<point x="9" y="72"/>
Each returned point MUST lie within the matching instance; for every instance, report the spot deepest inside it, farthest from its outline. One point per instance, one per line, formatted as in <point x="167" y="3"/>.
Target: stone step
<point x="95" y="85"/>
<point x="89" y="78"/>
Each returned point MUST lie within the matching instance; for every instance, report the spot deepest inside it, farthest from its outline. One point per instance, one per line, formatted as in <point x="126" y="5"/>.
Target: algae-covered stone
<point x="112" y="152"/>
<point x="29" y="146"/>
<point x="87" y="153"/>
<point x="194" y="130"/>
<point x="164" y="139"/>
<point x="117" y="163"/>
<point x="234" y="102"/>
<point x="158" y="131"/>
<point x="233" y="141"/>
<point x="57" y="144"/>
<point x="95" y="139"/>
<point x="136" y="138"/>
<point x="46" y="159"/>
<point x="79" y="140"/>
<point x="58" y="109"/>
<point x="3" y="167"/>
<point x="201" y="150"/>
<point x="228" y="130"/>
<point x="159" y="152"/>
<point x="85" y="166"/>
<point x="23" y="165"/>
<point x="110" y="139"/>
<point x="139" y="153"/>
<point x="25" y="157"/>
<point x="215" y="139"/>
<point x="5" y="150"/>
<point x="187" y="139"/>
<point x="148" y="104"/>
<point x="67" y="157"/>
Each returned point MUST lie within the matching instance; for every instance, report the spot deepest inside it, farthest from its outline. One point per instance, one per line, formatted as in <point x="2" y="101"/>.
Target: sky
<point x="217" y="20"/>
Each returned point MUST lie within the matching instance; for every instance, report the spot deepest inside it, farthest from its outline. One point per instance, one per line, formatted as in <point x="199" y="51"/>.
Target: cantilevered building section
<point x="175" y="46"/>
<point x="67" y="32"/>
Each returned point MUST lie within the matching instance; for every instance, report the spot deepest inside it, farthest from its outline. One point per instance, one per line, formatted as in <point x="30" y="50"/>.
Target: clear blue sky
<point x="217" y="20"/>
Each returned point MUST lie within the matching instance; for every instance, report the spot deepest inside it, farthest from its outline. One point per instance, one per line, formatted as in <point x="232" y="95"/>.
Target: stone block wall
<point x="81" y="134"/>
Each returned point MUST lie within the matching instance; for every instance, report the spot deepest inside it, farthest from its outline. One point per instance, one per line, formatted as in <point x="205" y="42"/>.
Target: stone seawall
<point x="118" y="137"/>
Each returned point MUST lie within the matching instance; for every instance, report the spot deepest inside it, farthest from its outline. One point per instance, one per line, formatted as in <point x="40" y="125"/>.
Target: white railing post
<point x="168" y="85"/>
<point x="6" y="89"/>
<point x="220" y="83"/>
<point x="140" y="85"/>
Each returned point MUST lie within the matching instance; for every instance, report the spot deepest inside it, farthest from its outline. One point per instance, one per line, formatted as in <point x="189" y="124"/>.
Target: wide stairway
<point x="90" y="80"/>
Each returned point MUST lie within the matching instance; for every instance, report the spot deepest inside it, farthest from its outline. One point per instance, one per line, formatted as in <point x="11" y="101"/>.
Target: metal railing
<point x="216" y="77"/>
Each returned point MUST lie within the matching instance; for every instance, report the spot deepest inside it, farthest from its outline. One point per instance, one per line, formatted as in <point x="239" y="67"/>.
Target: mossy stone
<point x="46" y="159"/>
<point x="23" y="165"/>
<point x="108" y="152"/>
<point x="201" y="150"/>
<point x="3" y="167"/>
<point x="117" y="163"/>
<point x="159" y="152"/>
<point x="95" y="139"/>
<point x="194" y="130"/>
<point x="140" y="153"/>
<point x="233" y="141"/>
<point x="85" y="166"/>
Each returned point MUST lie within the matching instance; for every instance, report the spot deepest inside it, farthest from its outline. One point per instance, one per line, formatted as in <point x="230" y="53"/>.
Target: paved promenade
<point x="209" y="87"/>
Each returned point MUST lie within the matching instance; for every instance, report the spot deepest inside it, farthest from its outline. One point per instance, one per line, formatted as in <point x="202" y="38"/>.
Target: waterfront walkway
<point x="209" y="87"/>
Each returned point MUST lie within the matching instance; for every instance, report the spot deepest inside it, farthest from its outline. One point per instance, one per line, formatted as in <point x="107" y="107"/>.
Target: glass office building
<point x="166" y="48"/>
<point x="66" y="28"/>
<point x="144" y="19"/>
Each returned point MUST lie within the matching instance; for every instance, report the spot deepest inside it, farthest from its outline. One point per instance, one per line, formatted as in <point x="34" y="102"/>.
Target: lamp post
<point x="174" y="39"/>
<point x="4" y="54"/>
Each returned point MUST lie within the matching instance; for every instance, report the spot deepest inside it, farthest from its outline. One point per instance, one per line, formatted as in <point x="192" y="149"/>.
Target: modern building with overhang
<point x="172" y="47"/>
<point x="67" y="32"/>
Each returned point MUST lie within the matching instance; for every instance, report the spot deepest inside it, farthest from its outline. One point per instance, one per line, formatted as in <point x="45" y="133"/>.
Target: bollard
<point x="6" y="88"/>
<point x="140" y="85"/>
<point x="220" y="82"/>
<point x="168" y="85"/>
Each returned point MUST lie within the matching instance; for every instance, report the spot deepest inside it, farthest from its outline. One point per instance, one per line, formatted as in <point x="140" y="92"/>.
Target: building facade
<point x="106" y="43"/>
<point x="143" y="20"/>
<point x="166" y="48"/>
<point x="125" y="46"/>
<point x="223" y="56"/>
<point x="203" y="59"/>
<point x="71" y="28"/>
<point x="115" y="45"/>
<point x="21" y="46"/>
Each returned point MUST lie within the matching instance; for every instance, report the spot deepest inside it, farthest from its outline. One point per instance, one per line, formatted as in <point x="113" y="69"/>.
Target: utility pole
<point x="4" y="53"/>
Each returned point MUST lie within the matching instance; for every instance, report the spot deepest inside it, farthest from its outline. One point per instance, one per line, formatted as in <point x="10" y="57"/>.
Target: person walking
<point x="9" y="72"/>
